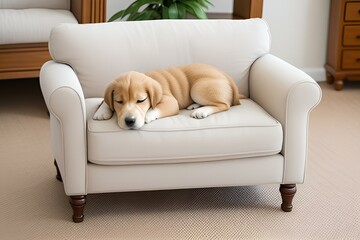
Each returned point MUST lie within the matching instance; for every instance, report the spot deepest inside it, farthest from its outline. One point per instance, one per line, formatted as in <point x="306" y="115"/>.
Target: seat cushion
<point x="242" y="131"/>
<point x="30" y="25"/>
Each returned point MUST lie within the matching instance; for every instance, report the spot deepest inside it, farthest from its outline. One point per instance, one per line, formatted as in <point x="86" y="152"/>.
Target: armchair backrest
<point x="98" y="53"/>
<point x="22" y="4"/>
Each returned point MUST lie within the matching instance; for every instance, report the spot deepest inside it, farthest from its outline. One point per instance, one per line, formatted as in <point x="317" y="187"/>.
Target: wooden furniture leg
<point x="329" y="78"/>
<point x="338" y="84"/>
<point x="58" y="174"/>
<point x="78" y="204"/>
<point x="287" y="194"/>
<point x="336" y="80"/>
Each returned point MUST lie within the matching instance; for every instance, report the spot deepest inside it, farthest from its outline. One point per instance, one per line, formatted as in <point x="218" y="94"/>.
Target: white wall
<point x="298" y="29"/>
<point x="113" y="6"/>
<point x="299" y="32"/>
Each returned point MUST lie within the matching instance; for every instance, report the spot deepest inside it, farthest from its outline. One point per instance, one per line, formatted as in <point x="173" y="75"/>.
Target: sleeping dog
<point x="139" y="98"/>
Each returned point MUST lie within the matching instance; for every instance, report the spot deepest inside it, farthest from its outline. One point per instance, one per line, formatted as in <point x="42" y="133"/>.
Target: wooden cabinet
<point x="343" y="53"/>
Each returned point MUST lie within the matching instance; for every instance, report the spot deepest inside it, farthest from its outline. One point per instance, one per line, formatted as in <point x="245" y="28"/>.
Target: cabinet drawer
<point x="352" y="11"/>
<point x="351" y="36"/>
<point x="351" y="59"/>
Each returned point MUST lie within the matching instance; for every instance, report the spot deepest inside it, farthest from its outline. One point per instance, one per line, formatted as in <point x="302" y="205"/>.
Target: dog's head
<point x="131" y="96"/>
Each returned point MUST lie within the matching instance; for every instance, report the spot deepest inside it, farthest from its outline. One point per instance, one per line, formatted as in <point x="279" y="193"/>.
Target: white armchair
<point x="261" y="141"/>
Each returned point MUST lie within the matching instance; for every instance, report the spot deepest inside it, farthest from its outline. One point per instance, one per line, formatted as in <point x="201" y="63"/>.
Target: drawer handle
<point x="358" y="60"/>
<point x="358" y="37"/>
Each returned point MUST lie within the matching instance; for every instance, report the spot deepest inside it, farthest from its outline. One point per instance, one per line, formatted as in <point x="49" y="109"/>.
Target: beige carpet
<point x="33" y="204"/>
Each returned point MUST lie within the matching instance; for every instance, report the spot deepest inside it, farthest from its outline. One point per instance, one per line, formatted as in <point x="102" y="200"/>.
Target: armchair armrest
<point x="289" y="95"/>
<point x="65" y="101"/>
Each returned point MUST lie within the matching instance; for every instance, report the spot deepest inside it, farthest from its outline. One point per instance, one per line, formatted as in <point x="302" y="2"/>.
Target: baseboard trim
<point x="318" y="74"/>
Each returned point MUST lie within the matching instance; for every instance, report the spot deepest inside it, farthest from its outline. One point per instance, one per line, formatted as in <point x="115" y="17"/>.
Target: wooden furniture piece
<point x="343" y="53"/>
<point x="242" y="9"/>
<point x="25" y="60"/>
<point x="248" y="8"/>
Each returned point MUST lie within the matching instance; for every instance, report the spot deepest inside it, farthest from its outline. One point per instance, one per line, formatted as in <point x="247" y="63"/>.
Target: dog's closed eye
<point x="141" y="100"/>
<point x="119" y="102"/>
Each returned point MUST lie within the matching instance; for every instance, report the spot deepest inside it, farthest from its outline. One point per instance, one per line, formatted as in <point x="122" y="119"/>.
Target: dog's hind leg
<point x="203" y="112"/>
<point x="193" y="106"/>
<point x="214" y="95"/>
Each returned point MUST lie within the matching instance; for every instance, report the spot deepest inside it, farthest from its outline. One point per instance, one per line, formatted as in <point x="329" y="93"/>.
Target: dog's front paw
<point x="103" y="113"/>
<point x="151" y="115"/>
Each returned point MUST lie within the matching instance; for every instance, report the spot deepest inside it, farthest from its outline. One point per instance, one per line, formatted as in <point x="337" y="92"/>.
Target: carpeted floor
<point x="33" y="204"/>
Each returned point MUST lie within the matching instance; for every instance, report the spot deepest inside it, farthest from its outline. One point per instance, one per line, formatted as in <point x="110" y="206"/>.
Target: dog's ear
<point x="109" y="95"/>
<point x="154" y="91"/>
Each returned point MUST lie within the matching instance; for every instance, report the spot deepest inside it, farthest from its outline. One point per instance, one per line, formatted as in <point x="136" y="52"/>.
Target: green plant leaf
<point x="135" y="6"/>
<point x="166" y="9"/>
<point x="117" y="15"/>
<point x="133" y="16"/>
<point x="133" y="9"/>
<point x="205" y="3"/>
<point x="156" y="15"/>
<point x="195" y="9"/>
<point x="148" y="14"/>
<point x="181" y="10"/>
<point x="173" y="11"/>
<point x="165" y="12"/>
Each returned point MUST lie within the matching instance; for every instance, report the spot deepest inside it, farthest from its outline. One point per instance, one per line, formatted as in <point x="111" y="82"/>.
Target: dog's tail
<point x="241" y="96"/>
<point x="236" y="95"/>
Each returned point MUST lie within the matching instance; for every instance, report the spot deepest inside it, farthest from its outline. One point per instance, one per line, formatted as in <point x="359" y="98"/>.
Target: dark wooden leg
<point x="78" y="204"/>
<point x="287" y="194"/>
<point x="58" y="174"/>
<point x="329" y="78"/>
<point x="339" y="85"/>
<point x="338" y="81"/>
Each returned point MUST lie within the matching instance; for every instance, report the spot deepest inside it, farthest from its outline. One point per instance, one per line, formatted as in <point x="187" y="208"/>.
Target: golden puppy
<point x="139" y="98"/>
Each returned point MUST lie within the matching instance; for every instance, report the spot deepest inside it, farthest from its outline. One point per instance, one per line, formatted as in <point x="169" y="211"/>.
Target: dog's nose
<point x="130" y="121"/>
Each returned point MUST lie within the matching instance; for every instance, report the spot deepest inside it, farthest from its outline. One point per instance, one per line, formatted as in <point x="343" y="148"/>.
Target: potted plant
<point x="163" y="9"/>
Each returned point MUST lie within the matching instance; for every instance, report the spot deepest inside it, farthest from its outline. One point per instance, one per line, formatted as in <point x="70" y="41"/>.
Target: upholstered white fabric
<point x="289" y="95"/>
<point x="87" y="57"/>
<point x="225" y="173"/>
<point x="243" y="131"/>
<point x="30" y="25"/>
<point x="143" y="46"/>
<point x="65" y="100"/>
<point x="23" y="4"/>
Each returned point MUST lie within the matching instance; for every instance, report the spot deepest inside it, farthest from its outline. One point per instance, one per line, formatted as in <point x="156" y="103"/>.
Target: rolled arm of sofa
<point x="289" y="95"/>
<point x="65" y="101"/>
